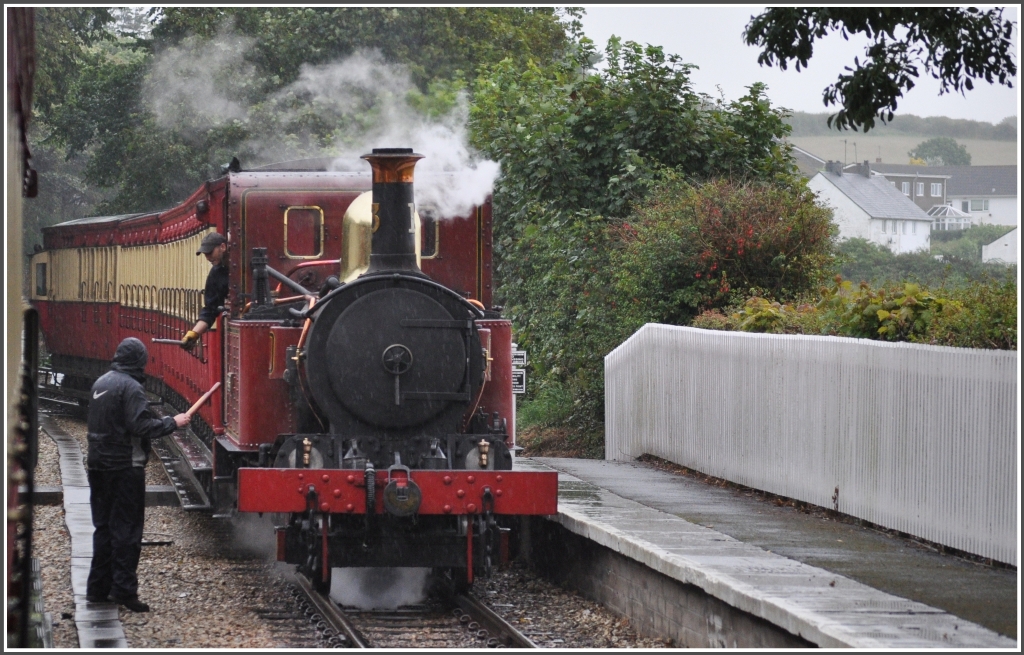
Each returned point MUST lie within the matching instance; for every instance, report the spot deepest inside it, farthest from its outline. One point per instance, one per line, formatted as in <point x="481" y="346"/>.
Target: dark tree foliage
<point x="864" y="261"/>
<point x="434" y="42"/>
<point x="955" y="45"/>
<point x="103" y="61"/>
<point x="62" y="35"/>
<point x="942" y="150"/>
<point x="583" y="151"/>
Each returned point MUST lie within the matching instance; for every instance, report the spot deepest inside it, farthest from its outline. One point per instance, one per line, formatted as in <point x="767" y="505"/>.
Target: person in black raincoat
<point x="121" y="425"/>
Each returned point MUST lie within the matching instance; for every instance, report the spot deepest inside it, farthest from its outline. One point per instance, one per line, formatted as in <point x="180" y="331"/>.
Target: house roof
<point x="810" y="157"/>
<point x="806" y="163"/>
<point x="963" y="180"/>
<point x="982" y="181"/>
<point x="876" y="196"/>
<point x="948" y="211"/>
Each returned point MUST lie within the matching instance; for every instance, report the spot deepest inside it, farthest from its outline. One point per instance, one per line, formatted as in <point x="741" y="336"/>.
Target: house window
<point x="913" y="227"/>
<point x="920" y="189"/>
<point x="979" y="205"/>
<point x="903" y="224"/>
<point x="965" y="206"/>
<point x="906" y="188"/>
<point x="936" y="190"/>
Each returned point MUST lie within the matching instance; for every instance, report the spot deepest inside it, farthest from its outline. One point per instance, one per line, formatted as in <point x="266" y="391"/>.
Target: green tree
<point x="64" y="39"/>
<point x="132" y="102"/>
<point x="952" y="263"/>
<point x="942" y="151"/>
<point x="955" y="45"/>
<point x="581" y="150"/>
<point x="434" y="42"/>
<point x="63" y="35"/>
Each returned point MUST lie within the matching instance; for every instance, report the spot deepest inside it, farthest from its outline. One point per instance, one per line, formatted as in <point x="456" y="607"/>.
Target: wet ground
<point x="982" y="593"/>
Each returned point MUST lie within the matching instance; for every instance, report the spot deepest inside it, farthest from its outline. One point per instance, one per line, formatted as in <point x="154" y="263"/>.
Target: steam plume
<point x="339" y="110"/>
<point x="379" y="588"/>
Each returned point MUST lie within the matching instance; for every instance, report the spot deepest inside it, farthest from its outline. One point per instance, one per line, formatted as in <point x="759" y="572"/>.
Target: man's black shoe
<point x="96" y="599"/>
<point x="134" y="604"/>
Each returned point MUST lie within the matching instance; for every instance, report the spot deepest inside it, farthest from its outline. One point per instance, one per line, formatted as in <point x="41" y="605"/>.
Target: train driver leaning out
<point x="215" y="247"/>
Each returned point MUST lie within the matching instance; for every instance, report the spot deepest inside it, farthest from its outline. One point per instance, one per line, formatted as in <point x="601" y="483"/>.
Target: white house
<point x="988" y="193"/>
<point x="869" y="207"/>
<point x="1002" y="250"/>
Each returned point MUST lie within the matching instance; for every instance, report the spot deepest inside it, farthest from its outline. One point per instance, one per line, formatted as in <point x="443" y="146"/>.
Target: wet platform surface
<point x="98" y="624"/>
<point x="833" y="583"/>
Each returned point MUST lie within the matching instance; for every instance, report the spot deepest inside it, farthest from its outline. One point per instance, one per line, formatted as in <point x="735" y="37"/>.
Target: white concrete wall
<point x="1001" y="211"/>
<point x="921" y="439"/>
<point x="1003" y="249"/>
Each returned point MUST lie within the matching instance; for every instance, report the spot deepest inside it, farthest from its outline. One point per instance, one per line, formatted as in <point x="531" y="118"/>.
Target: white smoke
<point x="201" y="83"/>
<point x="379" y="588"/>
<point x="362" y="102"/>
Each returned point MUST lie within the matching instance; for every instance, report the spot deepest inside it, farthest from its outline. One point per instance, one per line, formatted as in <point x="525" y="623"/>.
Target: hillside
<point x="805" y="124"/>
<point x="893" y="149"/>
<point x="989" y="144"/>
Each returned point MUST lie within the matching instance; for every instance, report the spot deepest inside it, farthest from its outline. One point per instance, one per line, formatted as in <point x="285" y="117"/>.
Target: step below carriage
<point x="366" y="397"/>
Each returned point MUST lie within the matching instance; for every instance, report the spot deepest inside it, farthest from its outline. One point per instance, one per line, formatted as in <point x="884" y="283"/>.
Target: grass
<point x="544" y="426"/>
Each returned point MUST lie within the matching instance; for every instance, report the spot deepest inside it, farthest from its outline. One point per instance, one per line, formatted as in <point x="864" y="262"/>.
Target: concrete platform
<point x="827" y="582"/>
<point x="98" y="624"/>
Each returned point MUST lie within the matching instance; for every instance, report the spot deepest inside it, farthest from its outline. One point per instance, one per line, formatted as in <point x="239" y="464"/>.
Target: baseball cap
<point x="210" y="241"/>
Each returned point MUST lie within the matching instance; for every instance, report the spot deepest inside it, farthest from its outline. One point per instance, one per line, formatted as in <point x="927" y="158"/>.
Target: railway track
<point x="463" y="621"/>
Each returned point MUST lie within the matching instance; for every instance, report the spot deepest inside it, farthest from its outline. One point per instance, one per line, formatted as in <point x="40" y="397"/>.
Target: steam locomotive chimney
<point x="393" y="246"/>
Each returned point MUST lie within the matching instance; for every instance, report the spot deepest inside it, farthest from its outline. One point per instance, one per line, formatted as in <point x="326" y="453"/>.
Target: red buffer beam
<point x="343" y="491"/>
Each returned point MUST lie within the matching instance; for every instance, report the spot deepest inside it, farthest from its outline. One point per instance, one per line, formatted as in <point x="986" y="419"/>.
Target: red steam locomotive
<point x="365" y="393"/>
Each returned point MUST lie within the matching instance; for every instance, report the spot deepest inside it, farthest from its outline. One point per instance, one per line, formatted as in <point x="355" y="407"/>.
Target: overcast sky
<point x="711" y="38"/>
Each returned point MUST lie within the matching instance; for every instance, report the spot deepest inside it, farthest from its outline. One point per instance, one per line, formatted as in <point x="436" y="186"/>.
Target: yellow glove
<point x="188" y="342"/>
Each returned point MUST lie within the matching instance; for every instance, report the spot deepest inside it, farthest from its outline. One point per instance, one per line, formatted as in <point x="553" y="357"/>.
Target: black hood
<point x="131" y="358"/>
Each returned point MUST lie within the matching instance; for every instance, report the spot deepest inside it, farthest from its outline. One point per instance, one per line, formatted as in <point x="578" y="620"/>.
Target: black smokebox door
<point x="369" y="349"/>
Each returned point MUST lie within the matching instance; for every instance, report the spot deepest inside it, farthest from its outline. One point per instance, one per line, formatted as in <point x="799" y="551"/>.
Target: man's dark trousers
<point x="118" y="502"/>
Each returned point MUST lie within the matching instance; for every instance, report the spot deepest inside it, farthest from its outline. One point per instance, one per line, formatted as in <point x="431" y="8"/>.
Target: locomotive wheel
<point x="313" y="568"/>
<point x="320" y="583"/>
<point x="451" y="581"/>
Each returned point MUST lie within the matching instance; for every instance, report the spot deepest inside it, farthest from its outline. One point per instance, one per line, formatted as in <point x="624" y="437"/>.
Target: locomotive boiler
<point x="366" y="399"/>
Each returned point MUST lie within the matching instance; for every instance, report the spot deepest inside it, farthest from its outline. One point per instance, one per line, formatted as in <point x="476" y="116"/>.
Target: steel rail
<point x="501" y="629"/>
<point x="331" y="613"/>
<point x="51" y="397"/>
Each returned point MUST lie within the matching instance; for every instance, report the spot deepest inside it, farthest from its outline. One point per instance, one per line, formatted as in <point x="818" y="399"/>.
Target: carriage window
<point x="40" y="279"/>
<point x="430" y="231"/>
<point x="303" y="232"/>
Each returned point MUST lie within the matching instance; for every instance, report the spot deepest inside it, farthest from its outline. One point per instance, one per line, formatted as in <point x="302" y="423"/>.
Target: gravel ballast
<point x="211" y="583"/>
